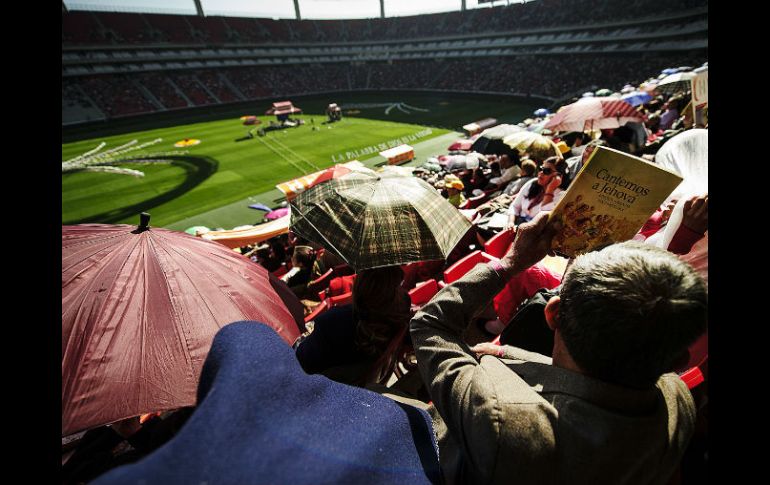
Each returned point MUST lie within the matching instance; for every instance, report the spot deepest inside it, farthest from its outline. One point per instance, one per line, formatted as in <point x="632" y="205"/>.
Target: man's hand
<point x="532" y="243"/>
<point x="666" y="213"/>
<point x="696" y="214"/>
<point x="487" y="348"/>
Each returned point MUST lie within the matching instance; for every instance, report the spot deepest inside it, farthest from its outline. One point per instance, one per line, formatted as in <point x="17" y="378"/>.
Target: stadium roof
<point x="309" y="9"/>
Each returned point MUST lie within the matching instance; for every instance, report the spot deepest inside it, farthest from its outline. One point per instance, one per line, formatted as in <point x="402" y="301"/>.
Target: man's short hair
<point x="629" y="311"/>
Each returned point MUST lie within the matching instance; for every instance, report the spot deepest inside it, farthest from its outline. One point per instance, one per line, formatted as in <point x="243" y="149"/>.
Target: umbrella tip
<point x="144" y="222"/>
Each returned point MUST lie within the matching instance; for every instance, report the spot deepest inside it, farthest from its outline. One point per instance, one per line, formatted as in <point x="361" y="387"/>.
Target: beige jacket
<point x="522" y="420"/>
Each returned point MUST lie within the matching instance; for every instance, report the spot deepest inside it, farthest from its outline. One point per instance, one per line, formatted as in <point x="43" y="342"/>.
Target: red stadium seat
<point x="423" y="292"/>
<point x="457" y="270"/>
<point x="335" y="301"/>
<point x="498" y="245"/>
<point x="474" y="202"/>
<point x="692" y="377"/>
<point x="321" y="283"/>
<point x="322" y="307"/>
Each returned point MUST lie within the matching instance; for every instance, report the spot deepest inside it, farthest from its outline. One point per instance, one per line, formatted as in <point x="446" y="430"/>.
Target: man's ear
<point x="552" y="312"/>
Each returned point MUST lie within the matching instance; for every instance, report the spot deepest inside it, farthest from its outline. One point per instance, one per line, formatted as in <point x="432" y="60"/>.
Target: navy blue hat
<point x="261" y="419"/>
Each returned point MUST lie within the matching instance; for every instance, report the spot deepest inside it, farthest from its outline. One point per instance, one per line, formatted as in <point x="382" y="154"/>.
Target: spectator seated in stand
<point x="359" y="344"/>
<point x="509" y="170"/>
<point x="541" y="193"/>
<point x="454" y="187"/>
<point x="302" y="265"/>
<point x="622" y="322"/>
<point x="528" y="172"/>
<point x="575" y="163"/>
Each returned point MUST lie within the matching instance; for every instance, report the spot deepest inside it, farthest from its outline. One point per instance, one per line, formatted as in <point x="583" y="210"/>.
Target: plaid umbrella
<point x="536" y="146"/>
<point x="374" y="220"/>
<point x="593" y="114"/>
<point x="676" y="82"/>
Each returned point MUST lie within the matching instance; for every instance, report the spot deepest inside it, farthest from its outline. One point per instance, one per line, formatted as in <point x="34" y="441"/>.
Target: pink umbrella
<point x="594" y="113"/>
<point x="277" y="214"/>
<point x="461" y="145"/>
<point x="140" y="308"/>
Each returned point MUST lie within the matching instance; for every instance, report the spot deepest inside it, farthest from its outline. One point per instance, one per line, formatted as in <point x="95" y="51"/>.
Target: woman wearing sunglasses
<point x="541" y="193"/>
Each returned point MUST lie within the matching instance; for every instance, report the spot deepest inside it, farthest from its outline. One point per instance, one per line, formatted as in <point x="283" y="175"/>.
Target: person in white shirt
<point x="541" y="193"/>
<point x="510" y="170"/>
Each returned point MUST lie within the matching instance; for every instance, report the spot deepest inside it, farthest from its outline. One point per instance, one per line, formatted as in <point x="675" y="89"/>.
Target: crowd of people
<point x="599" y="402"/>
<point x="107" y="28"/>
<point x="551" y="76"/>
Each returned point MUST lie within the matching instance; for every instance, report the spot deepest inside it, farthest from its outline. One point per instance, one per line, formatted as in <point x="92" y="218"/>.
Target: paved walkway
<point x="238" y="213"/>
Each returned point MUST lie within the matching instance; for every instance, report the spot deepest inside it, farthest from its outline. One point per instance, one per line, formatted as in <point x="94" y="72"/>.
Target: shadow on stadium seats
<point x="197" y="170"/>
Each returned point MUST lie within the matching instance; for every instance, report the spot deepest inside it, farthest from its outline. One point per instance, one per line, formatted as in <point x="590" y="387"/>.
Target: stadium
<point x="229" y="121"/>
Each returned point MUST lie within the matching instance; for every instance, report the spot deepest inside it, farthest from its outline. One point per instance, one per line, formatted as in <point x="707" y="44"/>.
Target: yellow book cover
<point x="610" y="199"/>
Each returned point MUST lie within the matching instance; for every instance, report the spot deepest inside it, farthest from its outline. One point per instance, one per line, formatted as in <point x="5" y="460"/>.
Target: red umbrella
<point x="593" y="114"/>
<point x="140" y="308"/>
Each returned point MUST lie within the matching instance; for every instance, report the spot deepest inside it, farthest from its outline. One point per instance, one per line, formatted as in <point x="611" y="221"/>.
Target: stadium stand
<point x="155" y="62"/>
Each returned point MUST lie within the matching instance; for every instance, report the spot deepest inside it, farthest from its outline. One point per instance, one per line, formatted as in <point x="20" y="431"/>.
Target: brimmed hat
<point x="452" y="181"/>
<point x="563" y="147"/>
<point x="454" y="184"/>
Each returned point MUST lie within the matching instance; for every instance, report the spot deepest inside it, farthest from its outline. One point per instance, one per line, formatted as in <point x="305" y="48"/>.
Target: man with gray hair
<point x="605" y="408"/>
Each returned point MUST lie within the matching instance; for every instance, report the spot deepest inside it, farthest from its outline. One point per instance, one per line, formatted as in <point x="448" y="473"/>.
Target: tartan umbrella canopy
<point x="375" y="220"/>
<point x="680" y="81"/>
<point x="593" y="114"/>
<point x="537" y="146"/>
<point x="140" y="307"/>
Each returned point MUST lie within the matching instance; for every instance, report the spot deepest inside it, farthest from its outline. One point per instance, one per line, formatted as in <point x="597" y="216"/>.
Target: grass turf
<point x="227" y="167"/>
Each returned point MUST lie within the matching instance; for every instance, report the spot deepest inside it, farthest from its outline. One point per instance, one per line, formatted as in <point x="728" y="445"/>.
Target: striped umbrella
<point x="374" y="220"/>
<point x="593" y="114"/>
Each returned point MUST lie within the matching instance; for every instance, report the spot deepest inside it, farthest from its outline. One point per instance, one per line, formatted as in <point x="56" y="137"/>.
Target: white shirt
<point x="522" y="206"/>
<point x="505" y="177"/>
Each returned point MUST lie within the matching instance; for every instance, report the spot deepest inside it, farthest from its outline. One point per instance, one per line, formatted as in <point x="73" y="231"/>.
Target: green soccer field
<point x="213" y="182"/>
